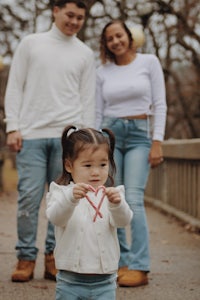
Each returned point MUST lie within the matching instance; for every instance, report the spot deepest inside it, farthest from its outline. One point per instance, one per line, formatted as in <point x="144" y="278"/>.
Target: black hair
<point x="79" y="139"/>
<point x="62" y="3"/>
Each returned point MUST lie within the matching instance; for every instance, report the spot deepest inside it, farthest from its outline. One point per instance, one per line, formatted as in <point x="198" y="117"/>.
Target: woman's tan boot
<point x="121" y="271"/>
<point x="50" y="269"/>
<point x="133" y="278"/>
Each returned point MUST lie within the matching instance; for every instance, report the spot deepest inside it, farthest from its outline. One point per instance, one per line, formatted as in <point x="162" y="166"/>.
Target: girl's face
<point x="90" y="167"/>
<point x="117" y="40"/>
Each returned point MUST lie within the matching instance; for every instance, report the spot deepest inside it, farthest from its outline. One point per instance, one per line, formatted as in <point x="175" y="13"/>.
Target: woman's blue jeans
<point x="131" y="156"/>
<point x="38" y="163"/>
<point x="72" y="286"/>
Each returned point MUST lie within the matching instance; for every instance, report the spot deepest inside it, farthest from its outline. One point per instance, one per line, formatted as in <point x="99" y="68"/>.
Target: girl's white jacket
<point x="82" y="245"/>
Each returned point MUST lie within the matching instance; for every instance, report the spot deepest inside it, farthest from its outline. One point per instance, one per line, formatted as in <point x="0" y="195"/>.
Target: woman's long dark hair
<point x="105" y="53"/>
<point x="75" y="140"/>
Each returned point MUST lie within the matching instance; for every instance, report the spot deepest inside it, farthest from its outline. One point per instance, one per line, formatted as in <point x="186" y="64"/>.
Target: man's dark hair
<point x="62" y="3"/>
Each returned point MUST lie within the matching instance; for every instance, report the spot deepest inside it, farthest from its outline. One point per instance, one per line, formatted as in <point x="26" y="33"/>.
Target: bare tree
<point x="172" y="31"/>
<point x="19" y="18"/>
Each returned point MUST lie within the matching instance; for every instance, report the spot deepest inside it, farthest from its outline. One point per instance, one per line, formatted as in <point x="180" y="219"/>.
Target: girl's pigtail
<point x="66" y="133"/>
<point x="111" y="138"/>
<point x="66" y="148"/>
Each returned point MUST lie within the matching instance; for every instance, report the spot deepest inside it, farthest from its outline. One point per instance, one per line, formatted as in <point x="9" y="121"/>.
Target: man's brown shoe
<point x="24" y="271"/>
<point x="121" y="271"/>
<point x="50" y="269"/>
<point x="133" y="278"/>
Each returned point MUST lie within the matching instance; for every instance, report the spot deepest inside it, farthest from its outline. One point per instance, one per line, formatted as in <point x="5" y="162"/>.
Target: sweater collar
<point x="57" y="33"/>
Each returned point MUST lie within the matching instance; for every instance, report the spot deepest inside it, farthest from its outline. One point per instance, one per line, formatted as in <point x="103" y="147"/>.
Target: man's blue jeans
<point x="38" y="163"/>
<point x="131" y="156"/>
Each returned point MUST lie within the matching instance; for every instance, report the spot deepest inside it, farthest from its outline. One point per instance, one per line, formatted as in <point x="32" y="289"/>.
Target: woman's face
<point x="117" y="40"/>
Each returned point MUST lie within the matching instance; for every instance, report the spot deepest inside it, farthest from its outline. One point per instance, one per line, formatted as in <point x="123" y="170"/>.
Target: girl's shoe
<point x="133" y="278"/>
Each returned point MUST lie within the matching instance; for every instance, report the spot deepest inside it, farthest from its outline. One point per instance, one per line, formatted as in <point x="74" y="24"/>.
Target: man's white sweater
<point x="51" y="84"/>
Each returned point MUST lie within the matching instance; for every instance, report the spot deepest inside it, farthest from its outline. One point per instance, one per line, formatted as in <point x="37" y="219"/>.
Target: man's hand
<point x="14" y="141"/>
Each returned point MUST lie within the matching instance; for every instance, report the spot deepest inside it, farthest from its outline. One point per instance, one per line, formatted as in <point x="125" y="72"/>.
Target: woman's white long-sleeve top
<point x="82" y="245"/>
<point x="133" y="89"/>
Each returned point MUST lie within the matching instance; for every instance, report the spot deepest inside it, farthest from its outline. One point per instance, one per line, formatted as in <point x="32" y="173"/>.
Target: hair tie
<point x="71" y="130"/>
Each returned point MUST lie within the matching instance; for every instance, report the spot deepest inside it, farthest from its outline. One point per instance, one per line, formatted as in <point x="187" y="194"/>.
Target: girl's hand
<point x="80" y="190"/>
<point x="113" y="195"/>
<point x="155" y="154"/>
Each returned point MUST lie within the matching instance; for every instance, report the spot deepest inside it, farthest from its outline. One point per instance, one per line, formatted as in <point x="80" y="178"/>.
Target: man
<point x="51" y="84"/>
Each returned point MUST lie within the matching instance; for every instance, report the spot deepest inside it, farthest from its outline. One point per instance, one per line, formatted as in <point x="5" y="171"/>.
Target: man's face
<point x="69" y="19"/>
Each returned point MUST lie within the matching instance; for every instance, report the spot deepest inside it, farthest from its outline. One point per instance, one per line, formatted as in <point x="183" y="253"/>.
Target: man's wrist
<point x="12" y="131"/>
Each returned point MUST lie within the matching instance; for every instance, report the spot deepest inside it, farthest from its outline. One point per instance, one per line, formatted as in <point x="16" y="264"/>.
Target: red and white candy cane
<point x="97" y="209"/>
<point x="92" y="204"/>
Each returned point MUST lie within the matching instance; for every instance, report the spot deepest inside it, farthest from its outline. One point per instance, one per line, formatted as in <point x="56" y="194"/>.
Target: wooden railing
<point x="174" y="186"/>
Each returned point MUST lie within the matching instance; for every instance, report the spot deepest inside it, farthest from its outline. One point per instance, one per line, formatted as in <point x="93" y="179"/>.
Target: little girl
<point x="86" y="215"/>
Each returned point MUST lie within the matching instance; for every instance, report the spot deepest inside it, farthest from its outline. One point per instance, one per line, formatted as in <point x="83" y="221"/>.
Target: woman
<point x="130" y="90"/>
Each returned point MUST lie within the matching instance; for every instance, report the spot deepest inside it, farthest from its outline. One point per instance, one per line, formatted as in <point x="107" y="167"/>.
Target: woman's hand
<point x="155" y="154"/>
<point x="113" y="195"/>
